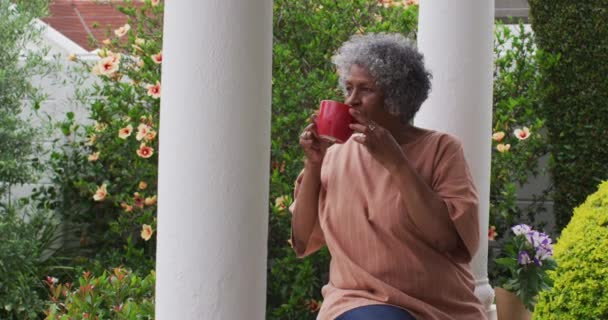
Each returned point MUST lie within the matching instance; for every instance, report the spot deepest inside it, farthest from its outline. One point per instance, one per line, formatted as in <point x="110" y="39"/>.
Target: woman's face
<point x="363" y="94"/>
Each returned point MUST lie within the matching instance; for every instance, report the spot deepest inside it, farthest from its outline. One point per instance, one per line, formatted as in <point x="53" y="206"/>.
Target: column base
<point x="485" y="294"/>
<point x="491" y="313"/>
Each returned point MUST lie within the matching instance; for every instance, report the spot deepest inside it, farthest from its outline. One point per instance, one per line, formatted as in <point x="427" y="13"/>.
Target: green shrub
<point x="576" y="102"/>
<point x="24" y="262"/>
<point x="581" y="278"/>
<point x="120" y="295"/>
<point x="19" y="142"/>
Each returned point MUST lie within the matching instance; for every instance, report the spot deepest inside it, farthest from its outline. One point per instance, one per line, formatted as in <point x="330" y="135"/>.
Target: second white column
<point x="456" y="38"/>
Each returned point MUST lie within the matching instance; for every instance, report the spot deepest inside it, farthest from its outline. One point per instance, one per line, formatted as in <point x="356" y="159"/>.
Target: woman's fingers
<point x="312" y="128"/>
<point x="309" y="144"/>
<point x="308" y="135"/>
<point x="314" y="147"/>
<point x="313" y="118"/>
<point x="357" y="127"/>
<point x="308" y="139"/>
<point x="360" y="138"/>
<point x="324" y="144"/>
<point x="308" y="127"/>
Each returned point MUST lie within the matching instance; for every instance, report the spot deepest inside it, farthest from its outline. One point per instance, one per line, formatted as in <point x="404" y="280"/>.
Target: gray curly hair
<point x="395" y="64"/>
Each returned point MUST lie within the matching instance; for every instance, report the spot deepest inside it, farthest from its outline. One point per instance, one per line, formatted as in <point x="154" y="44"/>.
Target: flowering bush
<point x="527" y="257"/>
<point x="120" y="294"/>
<point x="518" y="139"/>
<point x="106" y="173"/>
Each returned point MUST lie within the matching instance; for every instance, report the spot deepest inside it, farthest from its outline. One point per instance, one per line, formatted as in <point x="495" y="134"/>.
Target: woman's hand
<point x="379" y="142"/>
<point x="314" y="147"/>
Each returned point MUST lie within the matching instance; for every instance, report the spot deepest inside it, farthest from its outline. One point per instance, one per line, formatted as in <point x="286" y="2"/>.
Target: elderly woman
<point x="395" y="204"/>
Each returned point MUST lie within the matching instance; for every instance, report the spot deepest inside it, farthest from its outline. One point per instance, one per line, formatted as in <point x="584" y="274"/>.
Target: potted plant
<point x="525" y="259"/>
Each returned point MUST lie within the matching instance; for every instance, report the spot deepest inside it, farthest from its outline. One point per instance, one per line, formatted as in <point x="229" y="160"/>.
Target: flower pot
<point x="509" y="307"/>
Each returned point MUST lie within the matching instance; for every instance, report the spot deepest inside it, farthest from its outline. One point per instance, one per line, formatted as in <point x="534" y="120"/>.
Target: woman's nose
<point x="352" y="99"/>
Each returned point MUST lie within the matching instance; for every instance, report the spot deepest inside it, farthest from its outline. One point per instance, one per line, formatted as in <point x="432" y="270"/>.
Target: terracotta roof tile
<point x="76" y="19"/>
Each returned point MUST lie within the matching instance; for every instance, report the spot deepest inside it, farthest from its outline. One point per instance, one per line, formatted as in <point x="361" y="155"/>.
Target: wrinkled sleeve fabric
<point x="316" y="240"/>
<point x="453" y="182"/>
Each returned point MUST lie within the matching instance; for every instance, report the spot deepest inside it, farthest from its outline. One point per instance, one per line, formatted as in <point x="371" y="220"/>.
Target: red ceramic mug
<point x="333" y="121"/>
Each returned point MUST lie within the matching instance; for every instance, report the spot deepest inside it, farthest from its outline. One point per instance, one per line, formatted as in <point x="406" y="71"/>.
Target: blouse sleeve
<point x="454" y="184"/>
<point x="316" y="240"/>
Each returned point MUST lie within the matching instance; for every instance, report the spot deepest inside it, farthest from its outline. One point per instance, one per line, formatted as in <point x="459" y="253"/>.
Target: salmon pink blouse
<point x="378" y="255"/>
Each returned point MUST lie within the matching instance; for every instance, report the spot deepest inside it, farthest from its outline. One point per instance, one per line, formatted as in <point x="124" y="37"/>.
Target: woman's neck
<point x="403" y="132"/>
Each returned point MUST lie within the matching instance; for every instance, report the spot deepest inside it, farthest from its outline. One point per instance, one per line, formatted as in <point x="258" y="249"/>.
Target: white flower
<point x="92" y="140"/>
<point x="154" y="90"/>
<point x="521" y="229"/>
<point x="157" y="58"/>
<point x="498" y="136"/>
<point x="145" y="151"/>
<point x="522" y="134"/>
<point x="125" y="132"/>
<point x="122" y="30"/>
<point x="94" y="156"/>
<point x="502" y="148"/>
<point x="101" y="193"/>
<point x="107" y="66"/>
<point x="100" y="126"/>
<point x="142" y="131"/>
<point x="149" y="201"/>
<point x="146" y="232"/>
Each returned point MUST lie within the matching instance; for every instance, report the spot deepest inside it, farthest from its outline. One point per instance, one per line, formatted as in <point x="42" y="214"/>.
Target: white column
<point x="456" y="38"/>
<point x="214" y="156"/>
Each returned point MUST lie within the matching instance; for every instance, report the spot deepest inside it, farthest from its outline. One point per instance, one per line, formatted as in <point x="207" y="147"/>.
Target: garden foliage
<point x="527" y="258"/>
<point x="105" y="175"/>
<point x="19" y="142"/>
<point x="25" y="259"/>
<point x="519" y="139"/>
<point x="120" y="294"/>
<point x="581" y="278"/>
<point x="576" y="102"/>
<point x="26" y="234"/>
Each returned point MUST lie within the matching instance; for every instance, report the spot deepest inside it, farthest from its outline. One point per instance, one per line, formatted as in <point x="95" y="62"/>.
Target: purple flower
<point x="541" y="244"/>
<point x="523" y="258"/>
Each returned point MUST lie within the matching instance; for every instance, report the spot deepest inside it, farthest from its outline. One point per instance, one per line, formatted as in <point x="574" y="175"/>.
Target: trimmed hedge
<point x="581" y="278"/>
<point x="576" y="100"/>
